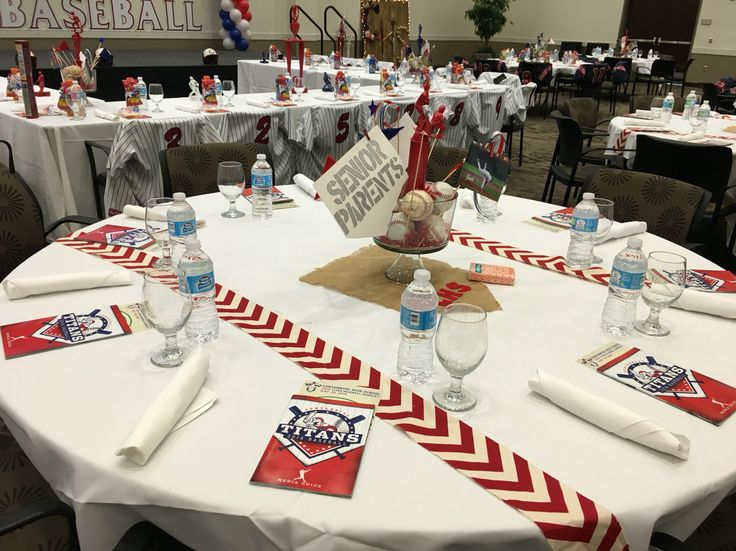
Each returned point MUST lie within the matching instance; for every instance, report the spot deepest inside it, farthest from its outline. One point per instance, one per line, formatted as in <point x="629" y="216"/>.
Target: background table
<point x="70" y="409"/>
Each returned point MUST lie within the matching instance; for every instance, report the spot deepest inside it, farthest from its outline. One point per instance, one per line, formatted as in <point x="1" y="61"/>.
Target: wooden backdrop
<point x="388" y="21"/>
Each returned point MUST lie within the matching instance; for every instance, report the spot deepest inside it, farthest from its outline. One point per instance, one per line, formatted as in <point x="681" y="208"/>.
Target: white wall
<point x="718" y="38"/>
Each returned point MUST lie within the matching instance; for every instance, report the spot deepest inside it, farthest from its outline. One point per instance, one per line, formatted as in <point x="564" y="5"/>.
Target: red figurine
<point x="427" y="128"/>
<point x="76" y="26"/>
<point x="341" y="38"/>
<point x="294" y="25"/>
<point x="41" y="83"/>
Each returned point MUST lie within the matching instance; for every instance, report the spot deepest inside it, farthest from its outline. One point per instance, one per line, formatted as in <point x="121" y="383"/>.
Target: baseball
<point x="399" y="227"/>
<point x="435" y="230"/>
<point x="442" y="193"/>
<point x="417" y="204"/>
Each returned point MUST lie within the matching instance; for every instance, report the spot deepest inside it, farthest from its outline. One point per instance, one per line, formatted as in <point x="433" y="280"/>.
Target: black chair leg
<point x="510" y="141"/>
<point x="521" y="144"/>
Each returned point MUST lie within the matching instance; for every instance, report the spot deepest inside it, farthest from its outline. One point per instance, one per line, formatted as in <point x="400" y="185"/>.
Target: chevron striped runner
<point x="553" y="263"/>
<point x="567" y="519"/>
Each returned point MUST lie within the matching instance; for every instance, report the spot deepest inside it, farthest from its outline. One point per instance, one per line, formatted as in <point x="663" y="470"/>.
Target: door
<point x="673" y="22"/>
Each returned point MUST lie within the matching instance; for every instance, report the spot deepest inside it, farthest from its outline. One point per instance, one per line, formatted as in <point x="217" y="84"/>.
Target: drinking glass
<point x="355" y="84"/>
<point x="656" y="108"/>
<point x="228" y="90"/>
<point x="605" y="223"/>
<point x="461" y="343"/>
<point x="167" y="311"/>
<point x="468" y="76"/>
<point x="230" y="182"/>
<point x="156" y="95"/>
<point x="486" y="208"/>
<point x="299" y="86"/>
<point x="158" y="228"/>
<point x="663" y="285"/>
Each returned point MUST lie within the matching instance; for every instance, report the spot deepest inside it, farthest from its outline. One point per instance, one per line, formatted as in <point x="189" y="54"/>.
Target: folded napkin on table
<point x="608" y="415"/>
<point x="624" y="229"/>
<point x="306" y="185"/>
<point x="256" y="103"/>
<point x="645" y="113"/>
<point x="182" y="401"/>
<point x="644" y="122"/>
<point x="106" y="116"/>
<point x="21" y="287"/>
<point x="159" y="215"/>
<point x="188" y="108"/>
<point x="692" y="137"/>
<point x="323" y="97"/>
<point x="715" y="304"/>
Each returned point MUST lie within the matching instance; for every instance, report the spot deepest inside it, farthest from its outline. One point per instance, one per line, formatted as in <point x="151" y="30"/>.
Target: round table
<point x="71" y="408"/>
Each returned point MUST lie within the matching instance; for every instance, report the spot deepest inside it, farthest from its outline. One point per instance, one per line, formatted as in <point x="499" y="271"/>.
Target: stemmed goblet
<point x="461" y="343"/>
<point x="663" y="285"/>
<point x="230" y="182"/>
<point x="158" y="228"/>
<point x="156" y="95"/>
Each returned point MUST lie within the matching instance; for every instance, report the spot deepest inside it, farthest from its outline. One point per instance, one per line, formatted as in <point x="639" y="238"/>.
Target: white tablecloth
<point x="71" y="408"/>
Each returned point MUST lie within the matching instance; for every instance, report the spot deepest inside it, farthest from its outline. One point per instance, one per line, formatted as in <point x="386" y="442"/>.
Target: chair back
<point x="663" y="68"/>
<point x="571" y="46"/>
<point x="671" y="208"/>
<point x="538" y="73"/>
<point x="590" y="46"/>
<point x="590" y="76"/>
<point x="21" y="223"/>
<point x="442" y="161"/>
<point x="193" y="168"/>
<point x="620" y="68"/>
<point x="705" y="166"/>
<point x="569" y="141"/>
<point x="489" y="66"/>
<point x="645" y="102"/>
<point x="582" y="110"/>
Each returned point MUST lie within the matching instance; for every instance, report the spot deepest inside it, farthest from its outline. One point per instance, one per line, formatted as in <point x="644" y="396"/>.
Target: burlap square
<point x="361" y="275"/>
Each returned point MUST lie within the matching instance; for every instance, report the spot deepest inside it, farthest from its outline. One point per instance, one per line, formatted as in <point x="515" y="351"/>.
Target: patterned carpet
<point x="21" y="484"/>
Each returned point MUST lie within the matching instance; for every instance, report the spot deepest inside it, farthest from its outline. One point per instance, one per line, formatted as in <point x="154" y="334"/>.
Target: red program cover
<point x="110" y="234"/>
<point x="318" y="444"/>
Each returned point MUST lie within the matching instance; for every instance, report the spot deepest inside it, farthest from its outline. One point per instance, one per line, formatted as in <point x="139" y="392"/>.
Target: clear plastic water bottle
<point x="218" y="90"/>
<point x="182" y="225"/>
<point x="418" y="321"/>
<point x="143" y="92"/>
<point x="650" y="53"/>
<point x="691" y="101"/>
<point x="667" y="106"/>
<point x="624" y="288"/>
<point x="261" y="183"/>
<point x="583" y="227"/>
<point x="198" y="280"/>
<point x="703" y="116"/>
<point x="77" y="101"/>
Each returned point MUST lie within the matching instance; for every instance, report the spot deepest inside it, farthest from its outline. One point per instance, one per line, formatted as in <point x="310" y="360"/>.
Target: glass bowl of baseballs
<point x="421" y="221"/>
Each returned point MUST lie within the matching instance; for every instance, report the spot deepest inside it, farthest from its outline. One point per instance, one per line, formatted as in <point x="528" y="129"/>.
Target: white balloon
<point x="235" y="15"/>
<point x="247" y="34"/>
<point x="227" y="5"/>
<point x="223" y="33"/>
<point x="243" y="26"/>
<point x="228" y="43"/>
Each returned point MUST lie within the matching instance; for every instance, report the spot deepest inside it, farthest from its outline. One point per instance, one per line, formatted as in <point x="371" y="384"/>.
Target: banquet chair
<point x="671" y="208"/>
<point x="99" y="179"/>
<point x="11" y="164"/>
<point x="516" y="121"/>
<point x="618" y="78"/>
<point x="541" y="75"/>
<point x="660" y="77"/>
<point x="22" y="233"/>
<point x="589" y="79"/>
<point x="645" y="102"/>
<point x="585" y="112"/>
<point x="571" y="46"/>
<point x="664" y="542"/>
<point x="193" y="168"/>
<point x="442" y="161"/>
<point x="721" y="103"/>
<point x="590" y="46"/>
<point x="145" y="536"/>
<point x="706" y="166"/>
<point x="680" y="75"/>
<point x="490" y="65"/>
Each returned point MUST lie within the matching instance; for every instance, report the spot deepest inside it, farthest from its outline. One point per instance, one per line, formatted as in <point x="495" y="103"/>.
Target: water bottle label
<point x="197" y="284"/>
<point x="668" y="104"/>
<point x="182" y="228"/>
<point x="585" y="225"/>
<point x="262" y="181"/>
<point x="418" y="321"/>
<point x="633" y="281"/>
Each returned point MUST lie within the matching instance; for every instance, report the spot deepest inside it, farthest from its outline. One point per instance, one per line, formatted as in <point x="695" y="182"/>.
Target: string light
<point x="367" y="5"/>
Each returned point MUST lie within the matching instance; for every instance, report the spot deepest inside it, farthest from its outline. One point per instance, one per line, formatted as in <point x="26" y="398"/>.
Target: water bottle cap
<point x="261" y="156"/>
<point x="634" y="243"/>
<point x="180" y="196"/>
<point x="588" y="196"/>
<point x="422" y="276"/>
<point x="193" y="244"/>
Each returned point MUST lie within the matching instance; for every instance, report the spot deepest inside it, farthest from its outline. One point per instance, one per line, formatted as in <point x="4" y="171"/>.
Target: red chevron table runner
<point x="553" y="263"/>
<point x="567" y="519"/>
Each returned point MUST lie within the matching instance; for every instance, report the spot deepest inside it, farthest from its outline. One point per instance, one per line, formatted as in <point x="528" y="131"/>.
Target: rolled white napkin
<point x="715" y="304"/>
<point x="643" y="113"/>
<point x="21" y="287"/>
<point x="256" y="103"/>
<point x="172" y="409"/>
<point x="643" y="122"/>
<point x="625" y="229"/>
<point x="324" y="97"/>
<point x="466" y="199"/>
<point x="306" y="185"/>
<point x="188" y="108"/>
<point x="159" y="215"/>
<point x="692" y="137"/>
<point x="608" y="415"/>
<point x="106" y="116"/>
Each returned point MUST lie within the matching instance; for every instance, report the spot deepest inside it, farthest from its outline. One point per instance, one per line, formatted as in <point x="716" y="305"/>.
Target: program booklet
<point x="50" y="333"/>
<point x="679" y="386"/>
<point x="110" y="234"/>
<point x="711" y="281"/>
<point x="318" y="444"/>
<point x="279" y="199"/>
<point x="559" y="218"/>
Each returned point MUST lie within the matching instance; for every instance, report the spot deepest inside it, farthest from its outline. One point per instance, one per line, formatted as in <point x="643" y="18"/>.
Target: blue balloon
<point x="235" y="35"/>
<point x="224" y="15"/>
<point x="228" y="25"/>
<point x="242" y="44"/>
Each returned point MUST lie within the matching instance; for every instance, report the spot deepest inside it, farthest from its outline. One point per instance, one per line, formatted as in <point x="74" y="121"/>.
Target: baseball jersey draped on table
<point x="133" y="167"/>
